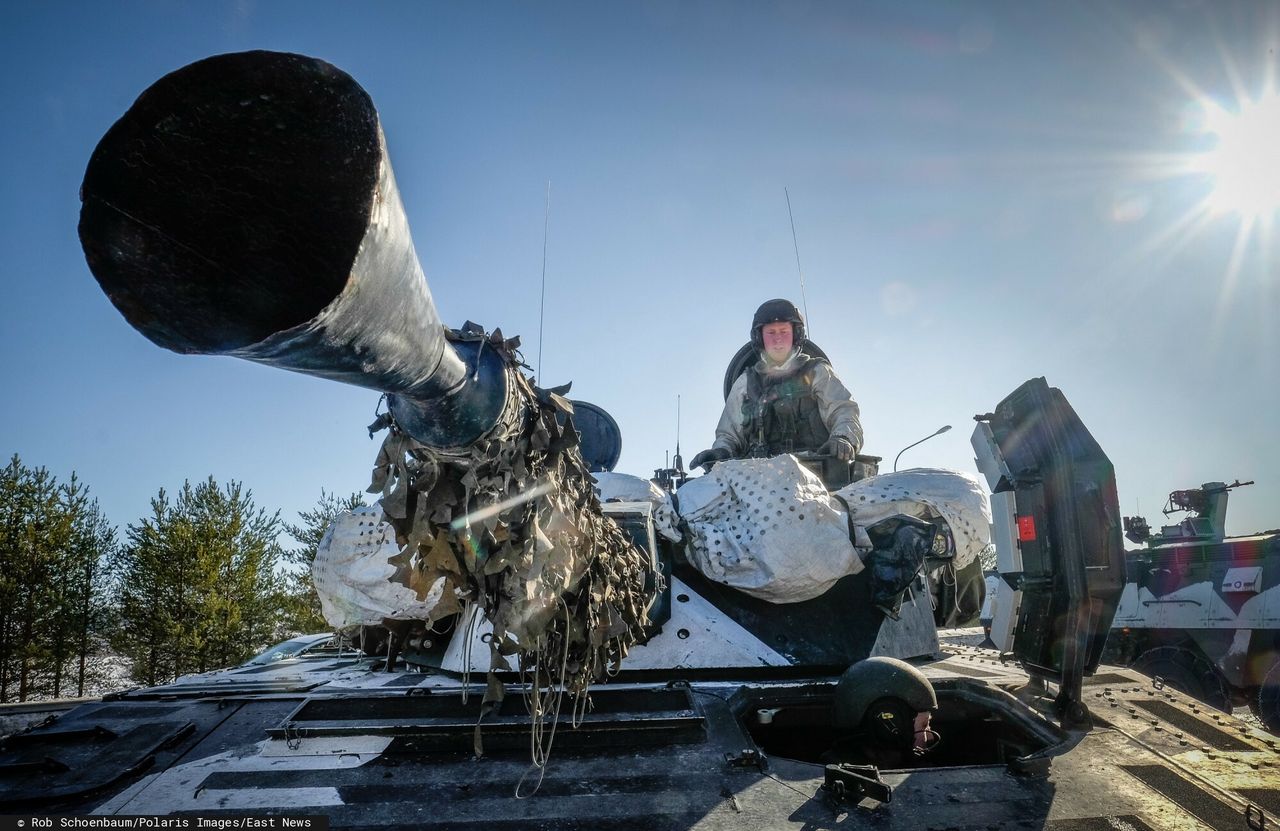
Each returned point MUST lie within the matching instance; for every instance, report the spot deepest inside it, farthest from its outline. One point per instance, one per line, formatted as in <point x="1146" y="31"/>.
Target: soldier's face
<point x="777" y="341"/>
<point x="925" y="737"/>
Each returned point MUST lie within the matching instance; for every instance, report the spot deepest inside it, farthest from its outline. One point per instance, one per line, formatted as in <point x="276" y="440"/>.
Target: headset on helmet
<point x="777" y="311"/>
<point x="891" y="723"/>
<point x="866" y="685"/>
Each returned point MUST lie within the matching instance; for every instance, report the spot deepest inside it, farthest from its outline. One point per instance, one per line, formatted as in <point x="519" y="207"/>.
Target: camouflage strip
<point x="513" y="525"/>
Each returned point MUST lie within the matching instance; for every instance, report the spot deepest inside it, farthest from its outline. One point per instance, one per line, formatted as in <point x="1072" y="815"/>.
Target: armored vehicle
<point x="1202" y="610"/>
<point x="674" y="700"/>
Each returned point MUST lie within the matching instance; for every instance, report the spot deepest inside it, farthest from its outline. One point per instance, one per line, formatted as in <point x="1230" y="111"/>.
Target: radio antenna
<point x="678" y="462"/>
<point x="542" y="305"/>
<point x="804" y="301"/>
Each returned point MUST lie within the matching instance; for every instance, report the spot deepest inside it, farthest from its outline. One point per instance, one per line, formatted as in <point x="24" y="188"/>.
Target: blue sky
<point x="982" y="193"/>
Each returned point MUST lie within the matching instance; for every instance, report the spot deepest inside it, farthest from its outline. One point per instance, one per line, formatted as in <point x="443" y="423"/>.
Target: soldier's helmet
<point x="777" y="311"/>
<point x="882" y="696"/>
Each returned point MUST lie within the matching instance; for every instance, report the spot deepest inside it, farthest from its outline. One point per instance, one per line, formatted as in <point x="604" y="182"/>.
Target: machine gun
<point x="1209" y="502"/>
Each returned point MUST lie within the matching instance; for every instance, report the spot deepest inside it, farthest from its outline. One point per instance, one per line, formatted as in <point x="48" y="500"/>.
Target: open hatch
<point x="980" y="724"/>
<point x="1057" y="530"/>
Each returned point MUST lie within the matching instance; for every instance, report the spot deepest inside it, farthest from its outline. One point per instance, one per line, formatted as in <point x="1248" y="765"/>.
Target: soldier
<point x="788" y="401"/>
<point x="883" y="709"/>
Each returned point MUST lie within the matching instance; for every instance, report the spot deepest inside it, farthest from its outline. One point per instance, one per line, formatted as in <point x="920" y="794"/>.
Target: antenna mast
<point x="804" y="301"/>
<point x="678" y="461"/>
<point x="542" y="305"/>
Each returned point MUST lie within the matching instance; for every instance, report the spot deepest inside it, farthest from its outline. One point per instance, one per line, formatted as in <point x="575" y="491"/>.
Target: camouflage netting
<point x="512" y="525"/>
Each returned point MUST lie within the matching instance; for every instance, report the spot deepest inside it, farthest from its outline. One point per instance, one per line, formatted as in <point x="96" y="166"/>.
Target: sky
<point x="982" y="193"/>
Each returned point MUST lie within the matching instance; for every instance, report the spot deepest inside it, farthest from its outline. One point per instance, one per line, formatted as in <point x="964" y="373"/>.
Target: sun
<point x="1244" y="164"/>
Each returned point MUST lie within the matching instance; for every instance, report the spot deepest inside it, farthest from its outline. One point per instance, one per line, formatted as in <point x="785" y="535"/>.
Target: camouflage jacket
<point x="789" y="394"/>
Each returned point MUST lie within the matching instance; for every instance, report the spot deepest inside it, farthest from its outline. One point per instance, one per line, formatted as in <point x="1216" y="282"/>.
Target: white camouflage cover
<point x="623" y="487"/>
<point x="956" y="497"/>
<point x="768" y="528"/>
<point x="362" y="576"/>
<point x="357" y="576"/>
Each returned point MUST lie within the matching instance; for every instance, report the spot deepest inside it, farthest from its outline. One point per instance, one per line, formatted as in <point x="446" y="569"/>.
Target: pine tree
<point x="87" y="616"/>
<point x="150" y="588"/>
<point x="54" y="543"/>
<point x="41" y="531"/>
<point x="13" y="511"/>
<point x="198" y="589"/>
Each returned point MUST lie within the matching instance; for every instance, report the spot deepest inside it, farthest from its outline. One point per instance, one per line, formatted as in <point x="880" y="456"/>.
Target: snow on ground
<point x="972" y="636"/>
<point x="112" y="676"/>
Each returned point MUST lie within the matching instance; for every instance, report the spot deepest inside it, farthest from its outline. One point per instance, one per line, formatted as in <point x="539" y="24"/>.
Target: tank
<point x="1200" y="609"/>
<point x="702" y="704"/>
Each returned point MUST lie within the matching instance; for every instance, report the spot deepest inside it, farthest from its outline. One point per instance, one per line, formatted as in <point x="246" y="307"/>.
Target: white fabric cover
<point x="767" y="527"/>
<point x="623" y="487"/>
<point x="362" y="576"/>
<point x="919" y="492"/>
<point x="355" y="578"/>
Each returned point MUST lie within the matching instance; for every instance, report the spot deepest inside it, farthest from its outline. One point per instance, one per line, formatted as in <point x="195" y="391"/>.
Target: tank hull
<point x="330" y="736"/>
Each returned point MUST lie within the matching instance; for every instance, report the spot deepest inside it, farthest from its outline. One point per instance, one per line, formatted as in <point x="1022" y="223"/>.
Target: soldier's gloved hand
<point x="839" y="447"/>
<point x="709" y="457"/>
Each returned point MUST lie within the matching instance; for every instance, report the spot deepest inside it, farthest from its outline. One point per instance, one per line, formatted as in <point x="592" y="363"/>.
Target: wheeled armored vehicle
<point x="1202" y="610"/>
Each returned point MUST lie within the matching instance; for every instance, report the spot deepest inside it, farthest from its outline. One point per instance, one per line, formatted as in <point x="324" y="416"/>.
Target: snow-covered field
<point x="112" y="675"/>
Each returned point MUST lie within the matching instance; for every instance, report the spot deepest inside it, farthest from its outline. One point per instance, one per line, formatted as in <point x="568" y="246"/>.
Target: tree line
<point x="202" y="582"/>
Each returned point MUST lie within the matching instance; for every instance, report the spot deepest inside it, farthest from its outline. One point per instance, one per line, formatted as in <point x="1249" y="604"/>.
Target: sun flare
<point x="1244" y="165"/>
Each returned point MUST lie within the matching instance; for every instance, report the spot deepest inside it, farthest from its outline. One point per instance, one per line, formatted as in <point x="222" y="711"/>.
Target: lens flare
<point x="1245" y="163"/>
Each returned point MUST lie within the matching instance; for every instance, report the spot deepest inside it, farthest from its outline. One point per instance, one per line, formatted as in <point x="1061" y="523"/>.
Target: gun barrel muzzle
<point x="245" y="205"/>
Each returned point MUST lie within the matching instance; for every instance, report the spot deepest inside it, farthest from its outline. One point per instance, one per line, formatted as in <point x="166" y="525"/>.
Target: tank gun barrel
<point x="245" y="205"/>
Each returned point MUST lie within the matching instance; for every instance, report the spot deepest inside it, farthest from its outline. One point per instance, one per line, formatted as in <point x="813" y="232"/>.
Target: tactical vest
<point x="780" y="414"/>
